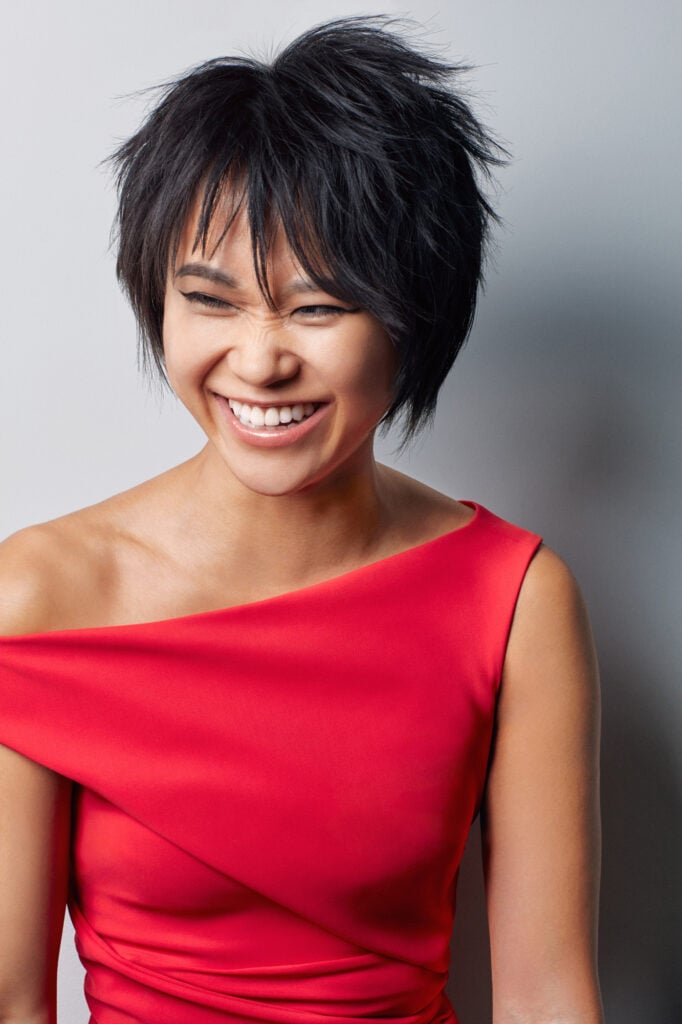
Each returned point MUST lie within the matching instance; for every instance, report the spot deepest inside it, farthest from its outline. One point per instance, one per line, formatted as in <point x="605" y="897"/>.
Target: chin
<point x="277" y="474"/>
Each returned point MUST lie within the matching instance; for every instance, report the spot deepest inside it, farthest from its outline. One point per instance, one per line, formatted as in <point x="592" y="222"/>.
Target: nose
<point x="261" y="356"/>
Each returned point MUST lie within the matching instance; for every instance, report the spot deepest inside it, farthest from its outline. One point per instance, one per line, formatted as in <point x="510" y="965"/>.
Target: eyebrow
<point x="298" y="284"/>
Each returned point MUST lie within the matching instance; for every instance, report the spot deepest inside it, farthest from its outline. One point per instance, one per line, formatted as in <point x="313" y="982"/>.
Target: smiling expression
<point x="251" y="375"/>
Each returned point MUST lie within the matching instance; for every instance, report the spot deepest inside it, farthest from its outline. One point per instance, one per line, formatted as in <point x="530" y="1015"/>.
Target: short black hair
<point x="359" y="145"/>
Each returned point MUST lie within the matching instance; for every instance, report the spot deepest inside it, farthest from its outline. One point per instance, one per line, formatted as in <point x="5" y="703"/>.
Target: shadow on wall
<point x="641" y="906"/>
<point x="566" y="421"/>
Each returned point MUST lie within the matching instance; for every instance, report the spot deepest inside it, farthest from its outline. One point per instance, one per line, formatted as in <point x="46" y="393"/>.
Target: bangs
<point x="226" y="193"/>
<point x="322" y="215"/>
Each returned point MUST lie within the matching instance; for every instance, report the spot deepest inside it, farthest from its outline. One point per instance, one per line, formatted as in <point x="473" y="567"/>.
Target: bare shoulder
<point x="63" y="573"/>
<point x="85" y="568"/>
<point x="42" y="568"/>
<point x="551" y="643"/>
<point x="550" y="596"/>
<point x="28" y="564"/>
<point x="549" y="575"/>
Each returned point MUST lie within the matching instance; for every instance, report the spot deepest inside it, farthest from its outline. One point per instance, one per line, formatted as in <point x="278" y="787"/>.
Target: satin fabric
<point x="272" y="799"/>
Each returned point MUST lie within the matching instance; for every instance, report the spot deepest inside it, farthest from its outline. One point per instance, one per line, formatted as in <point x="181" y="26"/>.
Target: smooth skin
<point x="235" y="524"/>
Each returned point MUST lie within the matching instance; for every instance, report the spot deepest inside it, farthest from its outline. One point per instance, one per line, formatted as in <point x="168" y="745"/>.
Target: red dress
<point x="273" y="798"/>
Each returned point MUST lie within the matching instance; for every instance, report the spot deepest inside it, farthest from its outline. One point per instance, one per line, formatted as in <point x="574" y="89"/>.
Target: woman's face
<point x="230" y="358"/>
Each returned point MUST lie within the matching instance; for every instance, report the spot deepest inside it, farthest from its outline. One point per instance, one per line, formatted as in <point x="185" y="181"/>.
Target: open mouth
<point x="272" y="417"/>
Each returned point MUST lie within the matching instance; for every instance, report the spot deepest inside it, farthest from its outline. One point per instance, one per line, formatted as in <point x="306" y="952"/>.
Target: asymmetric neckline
<point x="272" y="800"/>
<point x="340" y="579"/>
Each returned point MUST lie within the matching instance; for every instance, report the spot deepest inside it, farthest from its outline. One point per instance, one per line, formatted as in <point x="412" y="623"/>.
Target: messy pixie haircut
<point x="360" y="148"/>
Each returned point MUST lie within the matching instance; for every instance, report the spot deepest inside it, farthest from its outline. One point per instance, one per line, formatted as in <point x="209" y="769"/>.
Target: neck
<point x="284" y="540"/>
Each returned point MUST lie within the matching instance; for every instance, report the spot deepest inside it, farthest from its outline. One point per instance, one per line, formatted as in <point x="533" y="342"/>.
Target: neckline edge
<point x="203" y="615"/>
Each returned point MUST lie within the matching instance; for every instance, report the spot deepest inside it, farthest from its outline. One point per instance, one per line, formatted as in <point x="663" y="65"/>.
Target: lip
<point x="274" y="438"/>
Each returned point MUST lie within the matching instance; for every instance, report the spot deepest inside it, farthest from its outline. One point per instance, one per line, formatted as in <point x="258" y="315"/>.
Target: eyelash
<point x="323" y="310"/>
<point x="204" y="300"/>
<point x="210" y="300"/>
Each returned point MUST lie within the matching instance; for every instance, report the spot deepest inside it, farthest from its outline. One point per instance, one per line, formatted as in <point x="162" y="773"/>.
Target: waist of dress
<point x="122" y="990"/>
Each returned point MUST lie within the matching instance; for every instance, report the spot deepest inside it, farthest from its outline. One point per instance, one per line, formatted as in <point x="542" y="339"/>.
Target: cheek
<point x="358" y="354"/>
<point x="190" y="348"/>
<point x="372" y="372"/>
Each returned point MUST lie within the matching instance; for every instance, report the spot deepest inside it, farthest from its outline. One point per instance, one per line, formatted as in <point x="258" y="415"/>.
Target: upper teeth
<point x="273" y="416"/>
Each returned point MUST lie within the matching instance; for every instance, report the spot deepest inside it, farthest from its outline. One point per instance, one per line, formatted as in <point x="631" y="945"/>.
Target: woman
<point x="251" y="707"/>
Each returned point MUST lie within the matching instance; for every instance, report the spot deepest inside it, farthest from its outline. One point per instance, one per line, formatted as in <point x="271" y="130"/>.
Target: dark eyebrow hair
<point x="210" y="273"/>
<point x="298" y="284"/>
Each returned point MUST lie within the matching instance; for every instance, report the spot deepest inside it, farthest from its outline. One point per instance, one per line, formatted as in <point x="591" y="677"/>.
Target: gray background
<point x="562" y="414"/>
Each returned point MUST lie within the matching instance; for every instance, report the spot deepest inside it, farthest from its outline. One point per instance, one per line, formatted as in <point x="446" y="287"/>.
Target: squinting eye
<point x="322" y="311"/>
<point x="206" y="300"/>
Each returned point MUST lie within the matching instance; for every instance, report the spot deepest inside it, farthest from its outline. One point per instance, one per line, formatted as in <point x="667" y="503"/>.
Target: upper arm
<point x="35" y="808"/>
<point x="540" y="818"/>
<point x="35" y="805"/>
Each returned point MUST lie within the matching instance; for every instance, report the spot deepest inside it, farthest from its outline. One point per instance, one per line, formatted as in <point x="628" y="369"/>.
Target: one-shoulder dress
<point x="272" y="800"/>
